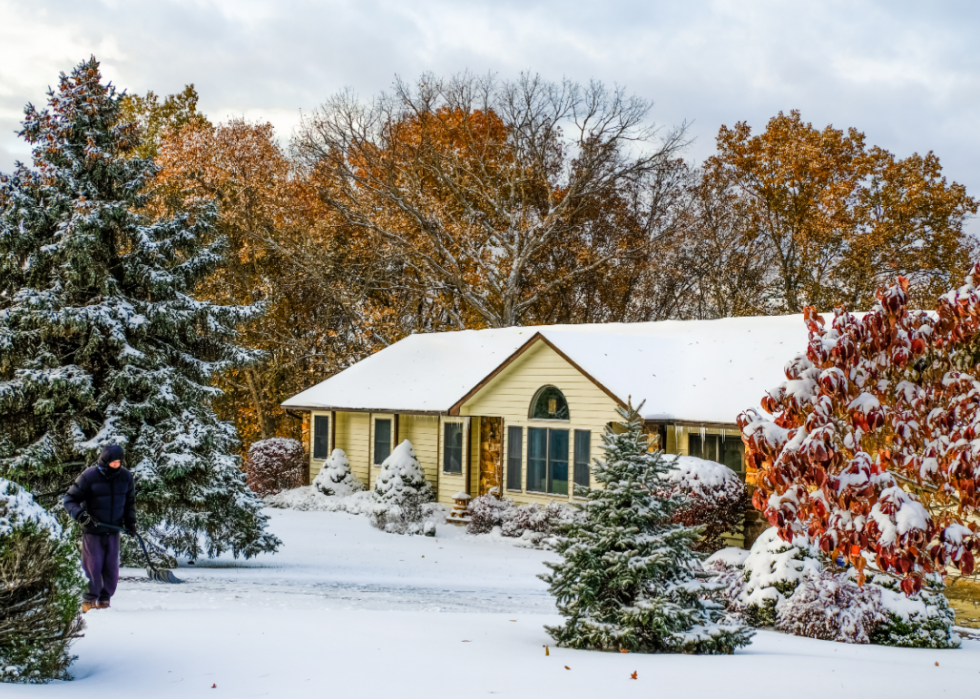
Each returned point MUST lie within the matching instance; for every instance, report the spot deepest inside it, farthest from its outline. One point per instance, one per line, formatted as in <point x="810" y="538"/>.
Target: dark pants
<point x="100" y="559"/>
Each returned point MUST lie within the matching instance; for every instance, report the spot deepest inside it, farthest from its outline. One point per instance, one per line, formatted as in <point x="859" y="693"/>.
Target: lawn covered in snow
<point x="347" y="611"/>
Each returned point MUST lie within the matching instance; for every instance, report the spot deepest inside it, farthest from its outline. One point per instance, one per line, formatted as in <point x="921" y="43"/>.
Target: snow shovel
<point x="159" y="574"/>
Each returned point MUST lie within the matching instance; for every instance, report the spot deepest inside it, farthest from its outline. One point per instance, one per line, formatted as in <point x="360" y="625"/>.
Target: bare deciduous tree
<point x="473" y="180"/>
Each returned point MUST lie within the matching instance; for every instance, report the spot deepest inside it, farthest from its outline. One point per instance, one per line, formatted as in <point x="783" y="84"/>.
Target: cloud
<point x="904" y="73"/>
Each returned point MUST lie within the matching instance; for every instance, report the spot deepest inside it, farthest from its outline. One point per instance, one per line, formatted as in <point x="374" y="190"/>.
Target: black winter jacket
<point x="107" y="494"/>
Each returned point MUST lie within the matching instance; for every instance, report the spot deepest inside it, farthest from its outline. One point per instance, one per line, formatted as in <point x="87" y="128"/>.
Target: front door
<point x="491" y="454"/>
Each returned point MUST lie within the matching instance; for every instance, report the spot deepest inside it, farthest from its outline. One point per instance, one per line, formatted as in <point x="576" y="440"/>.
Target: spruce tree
<point x="630" y="579"/>
<point x="101" y="338"/>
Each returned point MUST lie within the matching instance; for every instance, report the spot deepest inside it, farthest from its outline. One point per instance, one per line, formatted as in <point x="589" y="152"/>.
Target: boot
<point x="88" y="604"/>
<point x="103" y="604"/>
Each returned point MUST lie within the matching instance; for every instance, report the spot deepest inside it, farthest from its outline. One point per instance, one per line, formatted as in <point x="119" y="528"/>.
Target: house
<point x="525" y="407"/>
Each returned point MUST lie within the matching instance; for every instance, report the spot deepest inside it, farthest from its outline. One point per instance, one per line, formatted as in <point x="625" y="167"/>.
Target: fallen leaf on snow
<point x="633" y="676"/>
<point x="567" y="668"/>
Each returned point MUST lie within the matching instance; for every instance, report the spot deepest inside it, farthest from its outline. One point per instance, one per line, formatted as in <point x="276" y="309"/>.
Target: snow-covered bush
<point x="400" y="494"/>
<point x="923" y="620"/>
<point x="308" y="498"/>
<point x="488" y="511"/>
<point x="41" y="586"/>
<point x="336" y="478"/>
<point x="531" y="521"/>
<point x="792" y="587"/>
<point x="770" y="574"/>
<point x="274" y="465"/>
<point x="832" y="607"/>
<point x="717" y="499"/>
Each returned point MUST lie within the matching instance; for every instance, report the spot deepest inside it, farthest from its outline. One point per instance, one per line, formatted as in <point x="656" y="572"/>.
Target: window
<point x="452" y="456"/>
<point x="724" y="450"/>
<point x="583" y="443"/>
<point x="382" y="440"/>
<point x="547" y="460"/>
<point x="537" y="458"/>
<point x="515" y="439"/>
<point x="733" y="455"/>
<point x="558" y="462"/>
<point x="321" y="436"/>
<point x="703" y="447"/>
<point x="549" y="404"/>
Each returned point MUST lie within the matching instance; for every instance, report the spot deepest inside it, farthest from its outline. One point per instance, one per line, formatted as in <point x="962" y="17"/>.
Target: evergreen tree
<point x="631" y="579"/>
<point x="101" y="338"/>
<point x="400" y="492"/>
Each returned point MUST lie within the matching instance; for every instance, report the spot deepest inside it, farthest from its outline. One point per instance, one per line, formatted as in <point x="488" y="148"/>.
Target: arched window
<point x="549" y="404"/>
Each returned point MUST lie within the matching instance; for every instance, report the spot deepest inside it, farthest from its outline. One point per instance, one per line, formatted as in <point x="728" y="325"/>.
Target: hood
<point x="111" y="453"/>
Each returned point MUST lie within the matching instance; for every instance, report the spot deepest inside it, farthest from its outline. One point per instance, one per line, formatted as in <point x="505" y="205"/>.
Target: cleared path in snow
<point x="338" y="561"/>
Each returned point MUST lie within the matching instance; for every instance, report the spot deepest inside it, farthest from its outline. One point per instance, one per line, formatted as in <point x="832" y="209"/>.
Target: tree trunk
<point x="256" y="401"/>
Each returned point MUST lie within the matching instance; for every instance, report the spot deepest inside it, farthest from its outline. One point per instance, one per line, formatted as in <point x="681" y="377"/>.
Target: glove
<point x="131" y="531"/>
<point x="85" y="519"/>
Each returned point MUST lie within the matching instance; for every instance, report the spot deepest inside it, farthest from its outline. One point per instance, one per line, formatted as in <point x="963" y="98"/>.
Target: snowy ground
<point x="346" y="611"/>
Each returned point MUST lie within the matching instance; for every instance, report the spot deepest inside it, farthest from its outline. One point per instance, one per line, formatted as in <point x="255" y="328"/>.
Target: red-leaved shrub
<point x="274" y="465"/>
<point x="874" y="440"/>
<point x="717" y="499"/>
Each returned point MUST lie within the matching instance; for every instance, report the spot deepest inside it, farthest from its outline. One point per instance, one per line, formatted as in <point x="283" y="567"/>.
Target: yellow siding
<point x="509" y="396"/>
<point x="671" y="446"/>
<point x="353" y="435"/>
<point x="423" y="432"/>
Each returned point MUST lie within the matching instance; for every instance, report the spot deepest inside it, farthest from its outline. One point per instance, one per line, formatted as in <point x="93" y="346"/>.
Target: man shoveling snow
<point x="102" y="494"/>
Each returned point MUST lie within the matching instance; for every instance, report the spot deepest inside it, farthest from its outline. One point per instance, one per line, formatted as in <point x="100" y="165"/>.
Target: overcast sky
<point x="905" y="73"/>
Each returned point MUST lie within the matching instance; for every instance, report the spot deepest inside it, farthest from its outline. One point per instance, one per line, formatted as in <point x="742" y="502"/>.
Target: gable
<point x="510" y="391"/>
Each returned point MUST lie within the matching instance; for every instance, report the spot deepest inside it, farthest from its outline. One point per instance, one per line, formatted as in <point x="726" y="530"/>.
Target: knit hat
<point x="111" y="453"/>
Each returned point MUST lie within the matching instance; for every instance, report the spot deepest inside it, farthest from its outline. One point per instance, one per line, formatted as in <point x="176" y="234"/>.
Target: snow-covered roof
<point x="701" y="371"/>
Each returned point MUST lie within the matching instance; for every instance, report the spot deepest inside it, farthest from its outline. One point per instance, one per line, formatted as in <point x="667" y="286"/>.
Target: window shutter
<point x="583" y="448"/>
<point x="515" y="460"/>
